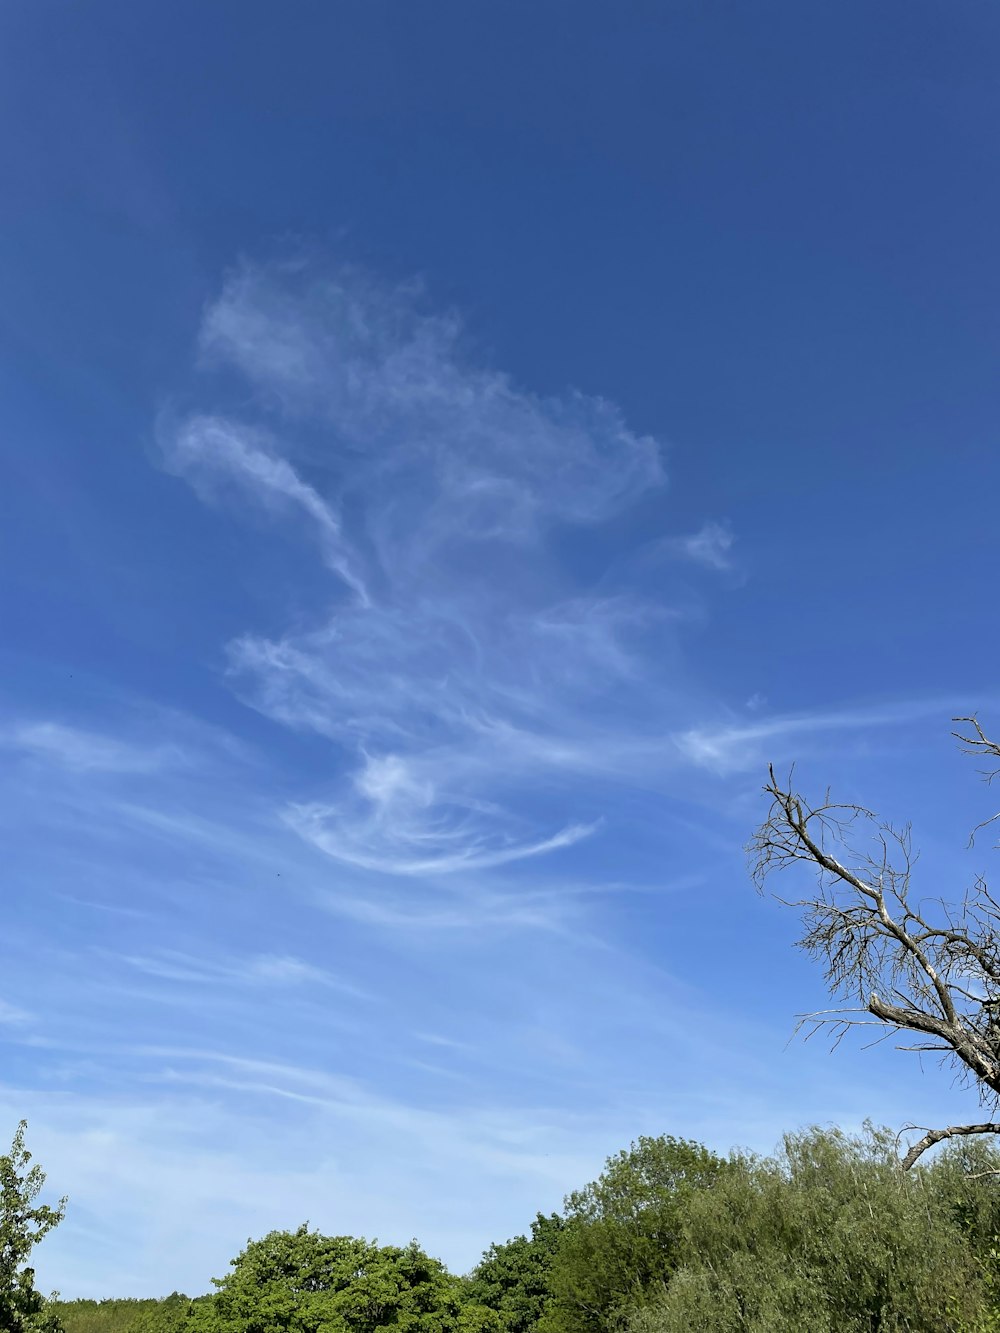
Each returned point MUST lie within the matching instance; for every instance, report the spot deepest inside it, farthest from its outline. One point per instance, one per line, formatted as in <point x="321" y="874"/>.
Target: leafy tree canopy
<point x="305" y="1282"/>
<point x="23" y="1223"/>
<point x="513" y="1278"/>
<point x="622" y="1231"/>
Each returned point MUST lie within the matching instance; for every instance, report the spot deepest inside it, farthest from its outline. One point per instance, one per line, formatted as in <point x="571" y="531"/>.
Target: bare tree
<point x="920" y="967"/>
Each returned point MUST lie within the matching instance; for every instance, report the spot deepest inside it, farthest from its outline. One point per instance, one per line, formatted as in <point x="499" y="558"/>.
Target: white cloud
<point x="469" y="669"/>
<point x="472" y="913"/>
<point x="262" y="970"/>
<point x="284" y="969"/>
<point x="735" y="747"/>
<point x="86" y="751"/>
<point x="405" y="844"/>
<point x="209" y="450"/>
<point x="408" y="405"/>
<point x="438" y="491"/>
<point x="709" y="546"/>
<point x="399" y="821"/>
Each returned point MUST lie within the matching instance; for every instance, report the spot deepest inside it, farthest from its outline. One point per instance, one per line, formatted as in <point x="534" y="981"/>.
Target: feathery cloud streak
<point x="459" y="656"/>
<point x="85" y="751"/>
<point x="709" y="546"/>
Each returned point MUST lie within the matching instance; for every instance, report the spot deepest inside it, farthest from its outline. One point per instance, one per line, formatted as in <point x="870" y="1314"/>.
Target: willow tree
<point x="925" y="969"/>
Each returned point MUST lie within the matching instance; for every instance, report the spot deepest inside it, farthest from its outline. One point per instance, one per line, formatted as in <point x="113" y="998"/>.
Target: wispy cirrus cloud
<point x="408" y="825"/>
<point x="408" y="405"/>
<point x="461" y="655"/>
<point x="474" y="912"/>
<point x="732" y="747"/>
<point x="479" y="692"/>
<point x="85" y="751"/>
<point x="13" y="1015"/>
<point x="710" y="546"/>
<point x="135" y="737"/>
<point x="418" y="848"/>
<point x="220" y="456"/>
<point x="261" y="971"/>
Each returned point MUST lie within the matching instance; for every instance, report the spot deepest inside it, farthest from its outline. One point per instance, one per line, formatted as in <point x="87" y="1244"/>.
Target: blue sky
<point x="450" y="450"/>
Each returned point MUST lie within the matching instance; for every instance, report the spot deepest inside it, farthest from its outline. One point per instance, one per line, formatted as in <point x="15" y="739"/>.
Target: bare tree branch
<point x="924" y="967"/>
<point x="979" y="744"/>
<point x="938" y="1135"/>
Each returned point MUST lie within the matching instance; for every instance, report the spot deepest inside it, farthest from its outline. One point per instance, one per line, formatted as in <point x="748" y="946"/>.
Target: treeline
<point x="170" y="1315"/>
<point x="829" y="1234"/>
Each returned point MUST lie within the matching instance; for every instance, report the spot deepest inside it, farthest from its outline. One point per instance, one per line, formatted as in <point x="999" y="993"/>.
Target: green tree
<point x="513" y="1278"/>
<point x="170" y="1315"/>
<point x="23" y="1223"/>
<point x="830" y="1235"/>
<point x="305" y="1282"/>
<point x="622" y="1232"/>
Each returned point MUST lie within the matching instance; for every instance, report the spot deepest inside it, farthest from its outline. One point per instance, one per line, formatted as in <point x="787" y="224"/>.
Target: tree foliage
<point x="829" y="1235"/>
<point x="928" y="969"/>
<point x="170" y="1315"/>
<point x="23" y="1223"/>
<point x="832" y="1236"/>
<point x="622" y="1232"/>
<point x="514" y="1278"/>
<point x="305" y="1282"/>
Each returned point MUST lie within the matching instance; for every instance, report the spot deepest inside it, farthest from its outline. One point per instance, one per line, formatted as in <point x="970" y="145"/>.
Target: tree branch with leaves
<point x="926" y="968"/>
<point x="23" y="1223"/>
